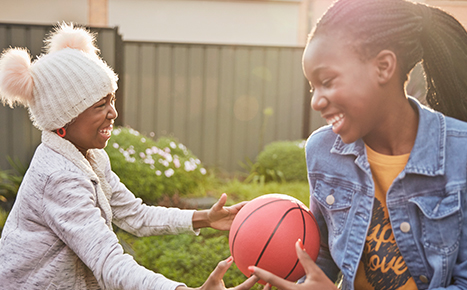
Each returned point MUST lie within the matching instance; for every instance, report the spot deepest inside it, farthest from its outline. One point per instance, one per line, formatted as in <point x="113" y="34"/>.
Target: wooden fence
<point x="224" y="102"/>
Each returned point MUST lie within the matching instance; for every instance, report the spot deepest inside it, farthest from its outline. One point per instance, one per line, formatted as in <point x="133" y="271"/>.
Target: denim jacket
<point x="427" y="202"/>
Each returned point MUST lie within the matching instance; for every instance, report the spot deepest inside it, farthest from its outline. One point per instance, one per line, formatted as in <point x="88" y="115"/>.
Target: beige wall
<point x="226" y="22"/>
<point x="43" y="11"/>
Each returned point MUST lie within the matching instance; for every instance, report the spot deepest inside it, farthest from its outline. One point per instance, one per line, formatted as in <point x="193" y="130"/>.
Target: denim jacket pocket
<point x="335" y="200"/>
<point x="440" y="220"/>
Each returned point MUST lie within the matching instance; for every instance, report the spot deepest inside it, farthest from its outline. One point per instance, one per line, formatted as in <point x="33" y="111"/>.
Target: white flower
<point x="168" y="157"/>
<point x="173" y="145"/>
<point x="134" y="132"/>
<point x="164" y="162"/>
<point x="148" y="151"/>
<point x="115" y="145"/>
<point x="158" y="172"/>
<point x="167" y="150"/>
<point x="143" y="140"/>
<point x="152" y="134"/>
<point x="169" y="172"/>
<point x="155" y="150"/>
<point x="203" y="171"/>
<point x="142" y="155"/>
<point x="177" y="162"/>
<point x="116" y="131"/>
<point x="189" y="166"/>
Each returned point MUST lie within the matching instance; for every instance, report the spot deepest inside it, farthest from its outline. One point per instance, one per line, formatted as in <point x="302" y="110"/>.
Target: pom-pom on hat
<point x="60" y="84"/>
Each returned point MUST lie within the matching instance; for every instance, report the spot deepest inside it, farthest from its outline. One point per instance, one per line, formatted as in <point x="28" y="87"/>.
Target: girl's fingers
<point x="247" y="284"/>
<point x="308" y="264"/>
<point x="271" y="278"/>
<point x="221" y="268"/>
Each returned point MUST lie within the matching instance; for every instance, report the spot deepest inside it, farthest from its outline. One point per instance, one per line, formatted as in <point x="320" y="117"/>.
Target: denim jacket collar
<point x="431" y="137"/>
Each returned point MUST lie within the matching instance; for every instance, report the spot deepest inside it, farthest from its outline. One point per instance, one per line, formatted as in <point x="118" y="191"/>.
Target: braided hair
<point x="414" y="32"/>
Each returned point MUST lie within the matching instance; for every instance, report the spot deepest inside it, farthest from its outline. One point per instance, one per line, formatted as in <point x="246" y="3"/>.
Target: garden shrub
<point x="280" y="161"/>
<point x="185" y="258"/>
<point x="10" y="180"/>
<point x="152" y="169"/>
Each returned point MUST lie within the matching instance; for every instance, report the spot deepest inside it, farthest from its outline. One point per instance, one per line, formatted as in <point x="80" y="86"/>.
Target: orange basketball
<point x="265" y="231"/>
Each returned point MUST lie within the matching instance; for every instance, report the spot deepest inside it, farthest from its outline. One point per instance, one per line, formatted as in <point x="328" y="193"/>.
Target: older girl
<point x="388" y="175"/>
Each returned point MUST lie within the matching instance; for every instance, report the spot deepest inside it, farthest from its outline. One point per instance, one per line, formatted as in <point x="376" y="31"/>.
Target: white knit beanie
<point x="59" y="85"/>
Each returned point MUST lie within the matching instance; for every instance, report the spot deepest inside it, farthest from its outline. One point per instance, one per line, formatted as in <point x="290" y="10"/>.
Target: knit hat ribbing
<point x="67" y="80"/>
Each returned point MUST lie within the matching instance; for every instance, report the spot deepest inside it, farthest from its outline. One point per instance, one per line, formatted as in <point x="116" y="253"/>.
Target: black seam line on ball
<point x="272" y="234"/>
<point x="239" y="227"/>
<point x="303" y="239"/>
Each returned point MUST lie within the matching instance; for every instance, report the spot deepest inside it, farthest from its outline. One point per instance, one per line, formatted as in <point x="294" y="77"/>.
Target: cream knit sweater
<point x="58" y="234"/>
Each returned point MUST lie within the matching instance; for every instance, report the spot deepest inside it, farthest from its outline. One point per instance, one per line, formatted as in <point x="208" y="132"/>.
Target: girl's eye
<point x="326" y="83"/>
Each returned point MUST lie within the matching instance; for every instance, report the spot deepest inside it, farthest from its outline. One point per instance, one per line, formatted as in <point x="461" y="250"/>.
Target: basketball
<point x="264" y="234"/>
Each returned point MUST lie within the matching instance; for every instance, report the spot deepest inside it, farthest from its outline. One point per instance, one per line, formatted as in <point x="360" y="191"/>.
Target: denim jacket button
<point x="405" y="227"/>
<point x="330" y="199"/>
<point x="424" y="279"/>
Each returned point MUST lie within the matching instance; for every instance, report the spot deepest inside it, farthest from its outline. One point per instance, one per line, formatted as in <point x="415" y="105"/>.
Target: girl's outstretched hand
<point x="315" y="277"/>
<point x="215" y="282"/>
<point x="218" y="216"/>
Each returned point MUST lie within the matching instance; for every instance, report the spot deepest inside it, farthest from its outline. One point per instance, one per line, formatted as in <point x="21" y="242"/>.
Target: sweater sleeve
<point x="130" y="214"/>
<point x="69" y="208"/>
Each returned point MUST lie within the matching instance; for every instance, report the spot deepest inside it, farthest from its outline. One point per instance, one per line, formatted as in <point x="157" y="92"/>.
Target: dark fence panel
<point x="224" y="102"/>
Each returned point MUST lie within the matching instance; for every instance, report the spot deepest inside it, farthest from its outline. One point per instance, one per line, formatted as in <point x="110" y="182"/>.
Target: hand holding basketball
<point x="315" y="277"/>
<point x="218" y="216"/>
<point x="215" y="282"/>
<point x="221" y="217"/>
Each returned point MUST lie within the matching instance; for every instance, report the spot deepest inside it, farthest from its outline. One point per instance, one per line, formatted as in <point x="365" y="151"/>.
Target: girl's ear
<point x="386" y="64"/>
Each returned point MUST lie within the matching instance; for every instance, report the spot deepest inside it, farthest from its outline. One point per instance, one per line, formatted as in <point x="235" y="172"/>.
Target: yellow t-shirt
<point x="382" y="266"/>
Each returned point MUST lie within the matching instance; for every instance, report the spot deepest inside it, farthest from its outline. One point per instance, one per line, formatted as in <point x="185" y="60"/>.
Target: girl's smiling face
<point x="345" y="88"/>
<point x="92" y="128"/>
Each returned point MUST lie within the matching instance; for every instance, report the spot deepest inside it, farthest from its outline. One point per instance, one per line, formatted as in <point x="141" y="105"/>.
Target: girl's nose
<point x="318" y="101"/>
<point x="112" y="114"/>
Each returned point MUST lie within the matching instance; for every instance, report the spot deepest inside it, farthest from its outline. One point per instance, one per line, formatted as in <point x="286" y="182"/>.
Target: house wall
<point x="225" y="22"/>
<point x="273" y="22"/>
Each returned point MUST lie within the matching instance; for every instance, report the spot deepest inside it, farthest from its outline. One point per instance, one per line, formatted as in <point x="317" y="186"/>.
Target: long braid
<point x="414" y="32"/>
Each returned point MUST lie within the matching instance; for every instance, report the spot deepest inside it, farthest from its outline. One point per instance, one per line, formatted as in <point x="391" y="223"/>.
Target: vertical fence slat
<point x="271" y="95"/>
<point x="131" y="74"/>
<point x="147" y="77"/>
<point x="163" y="90"/>
<point x="241" y="105"/>
<point x="255" y="107"/>
<point x="226" y="103"/>
<point x="211" y="104"/>
<point x="179" y="110"/>
<point x="195" y="99"/>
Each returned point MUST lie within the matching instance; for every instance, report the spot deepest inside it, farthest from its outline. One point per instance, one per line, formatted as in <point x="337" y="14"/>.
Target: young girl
<point x="388" y="176"/>
<point x="59" y="234"/>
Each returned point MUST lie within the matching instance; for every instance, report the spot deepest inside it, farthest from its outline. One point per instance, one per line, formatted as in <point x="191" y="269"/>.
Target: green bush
<point x="152" y="169"/>
<point x="185" y="258"/>
<point x="10" y="180"/>
<point x="280" y="161"/>
<point x="3" y="216"/>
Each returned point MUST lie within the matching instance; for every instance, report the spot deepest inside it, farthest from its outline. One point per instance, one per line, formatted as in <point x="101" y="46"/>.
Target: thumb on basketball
<point x="221" y="202"/>
<point x="221" y="268"/>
